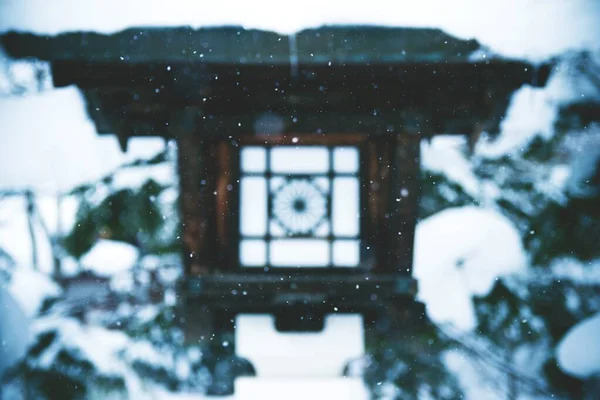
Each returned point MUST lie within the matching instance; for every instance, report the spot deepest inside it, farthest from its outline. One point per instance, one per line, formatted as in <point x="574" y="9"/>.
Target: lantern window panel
<point x="253" y="159"/>
<point x="299" y="206"/>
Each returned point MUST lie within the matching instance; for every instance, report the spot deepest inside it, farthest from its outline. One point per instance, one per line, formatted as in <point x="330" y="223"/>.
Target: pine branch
<point x="486" y="356"/>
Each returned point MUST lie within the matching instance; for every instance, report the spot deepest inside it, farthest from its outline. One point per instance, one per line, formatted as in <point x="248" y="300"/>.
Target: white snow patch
<point x="14" y="331"/>
<point x="110" y="257"/>
<point x="145" y="314"/>
<point x="585" y="156"/>
<point x="15" y="237"/>
<point x="531" y="113"/>
<point x="113" y="357"/>
<point x="30" y="289"/>
<point x="136" y="177"/>
<point x="168" y="197"/>
<point x="557" y="179"/>
<point x="578" y="353"/>
<point x="87" y="339"/>
<point x="99" y="346"/>
<point x="472" y="376"/>
<point x="69" y="266"/>
<point x="459" y="253"/>
<point x="445" y="155"/>
<point x="59" y="213"/>
<point x="151" y="262"/>
<point x="145" y="352"/>
<point x="583" y="272"/>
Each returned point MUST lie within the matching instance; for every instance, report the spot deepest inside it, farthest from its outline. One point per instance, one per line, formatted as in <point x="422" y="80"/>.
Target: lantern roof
<point x="329" y="79"/>
<point x="236" y="45"/>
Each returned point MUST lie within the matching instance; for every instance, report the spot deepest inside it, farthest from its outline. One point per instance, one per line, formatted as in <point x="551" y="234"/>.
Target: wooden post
<point x="379" y="166"/>
<point x="197" y="184"/>
<point x="403" y="201"/>
<point x="227" y="205"/>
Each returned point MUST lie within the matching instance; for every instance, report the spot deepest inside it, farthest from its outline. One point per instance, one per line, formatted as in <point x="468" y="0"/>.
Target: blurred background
<point x="90" y="241"/>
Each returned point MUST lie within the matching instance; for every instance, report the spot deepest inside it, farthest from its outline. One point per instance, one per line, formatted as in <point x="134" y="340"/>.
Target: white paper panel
<point x="322" y="229"/>
<point x="247" y="388"/>
<point x="345" y="206"/>
<point x="345" y="159"/>
<point x="253" y="253"/>
<point x="299" y="354"/>
<point x="323" y="184"/>
<point x="308" y="159"/>
<point x="276" y="183"/>
<point x="253" y="219"/>
<point x="276" y="230"/>
<point x="299" y="252"/>
<point x="346" y="253"/>
<point x="253" y="159"/>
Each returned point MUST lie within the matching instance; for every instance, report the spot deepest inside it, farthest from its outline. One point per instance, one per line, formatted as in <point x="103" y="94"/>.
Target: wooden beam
<point x="298" y="139"/>
<point x="222" y="290"/>
<point x="498" y="72"/>
<point x="251" y="99"/>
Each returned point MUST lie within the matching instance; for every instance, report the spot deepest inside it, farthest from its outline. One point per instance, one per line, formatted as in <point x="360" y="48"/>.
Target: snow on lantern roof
<point x="324" y="45"/>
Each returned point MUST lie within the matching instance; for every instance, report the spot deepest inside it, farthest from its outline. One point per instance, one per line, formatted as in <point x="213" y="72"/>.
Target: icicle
<point x="293" y="56"/>
<point x="534" y="78"/>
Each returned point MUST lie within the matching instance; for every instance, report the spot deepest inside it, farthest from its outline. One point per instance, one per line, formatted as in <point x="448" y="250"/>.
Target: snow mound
<point x="20" y="301"/>
<point x="460" y="253"/>
<point x="578" y="353"/>
<point x="110" y="257"/>
<point x="445" y="155"/>
<point x="13" y="326"/>
<point x="62" y="140"/>
<point x="31" y="288"/>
